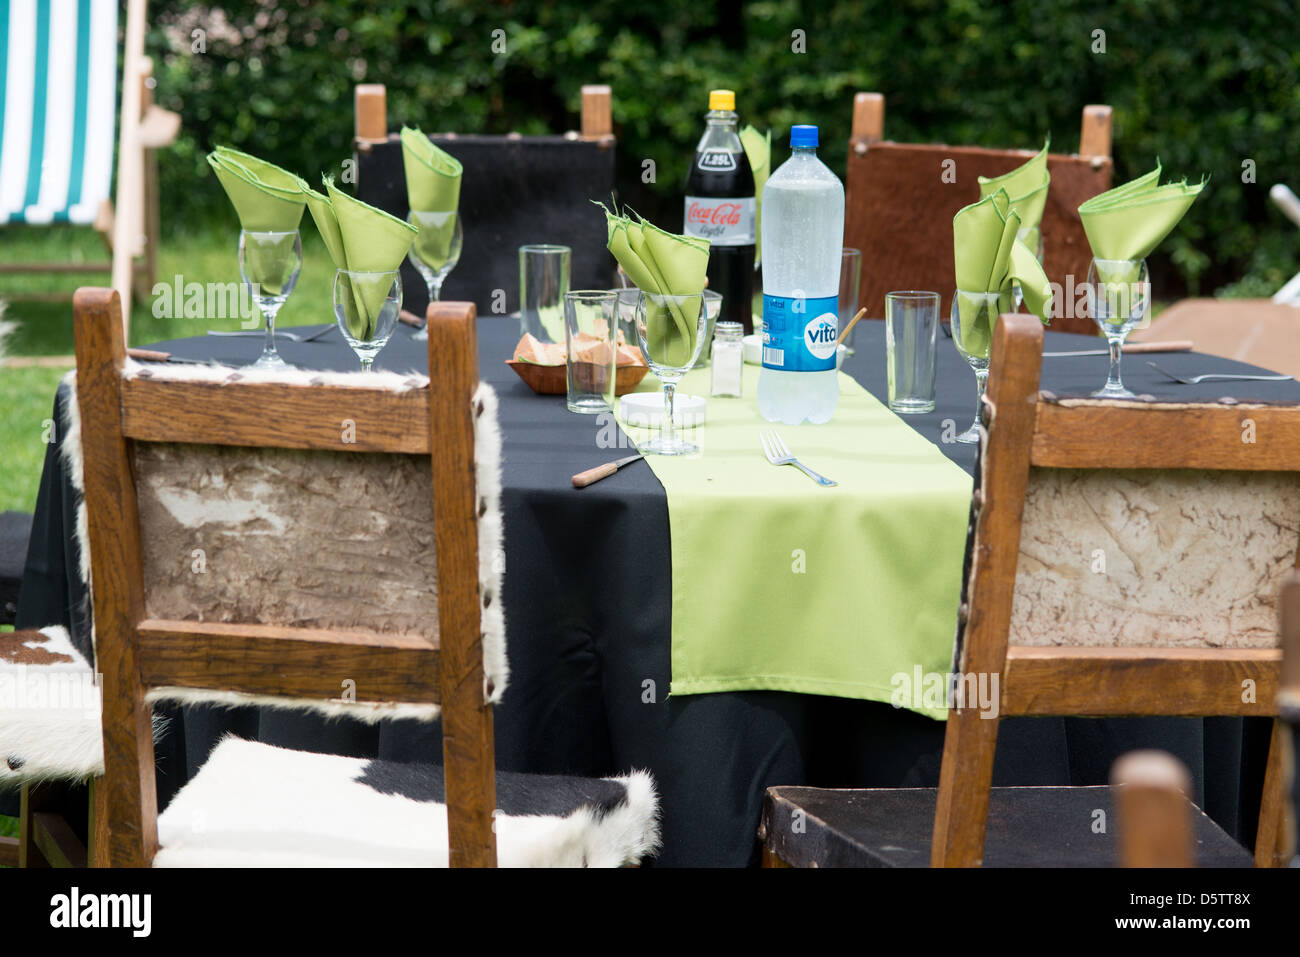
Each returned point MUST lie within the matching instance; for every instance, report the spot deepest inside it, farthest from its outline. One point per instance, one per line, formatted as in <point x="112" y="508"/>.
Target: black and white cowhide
<point x="254" y="805"/>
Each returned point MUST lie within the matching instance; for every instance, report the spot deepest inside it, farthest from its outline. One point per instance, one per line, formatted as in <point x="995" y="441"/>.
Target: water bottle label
<point x="723" y="222"/>
<point x="799" y="333"/>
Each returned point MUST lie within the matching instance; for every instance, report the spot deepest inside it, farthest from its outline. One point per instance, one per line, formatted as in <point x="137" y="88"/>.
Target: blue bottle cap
<point x="803" y="136"/>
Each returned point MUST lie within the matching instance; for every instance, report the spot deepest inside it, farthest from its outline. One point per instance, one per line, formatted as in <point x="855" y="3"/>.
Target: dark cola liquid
<point x="720" y="207"/>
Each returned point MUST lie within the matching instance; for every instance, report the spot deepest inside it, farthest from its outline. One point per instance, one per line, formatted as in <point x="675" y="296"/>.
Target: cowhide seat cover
<point x="255" y="805"/>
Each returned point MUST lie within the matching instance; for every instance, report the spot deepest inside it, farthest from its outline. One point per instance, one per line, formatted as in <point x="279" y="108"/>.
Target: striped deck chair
<point x="58" y="117"/>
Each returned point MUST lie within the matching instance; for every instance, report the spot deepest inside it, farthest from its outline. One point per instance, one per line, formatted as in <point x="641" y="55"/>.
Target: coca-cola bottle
<point x="720" y="208"/>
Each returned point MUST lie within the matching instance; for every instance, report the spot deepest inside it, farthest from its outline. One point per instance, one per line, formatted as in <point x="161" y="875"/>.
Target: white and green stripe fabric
<point x="58" y="107"/>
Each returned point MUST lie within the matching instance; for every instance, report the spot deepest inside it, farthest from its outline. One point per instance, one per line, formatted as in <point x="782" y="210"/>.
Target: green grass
<point x="45" y="329"/>
<point x="8" y="826"/>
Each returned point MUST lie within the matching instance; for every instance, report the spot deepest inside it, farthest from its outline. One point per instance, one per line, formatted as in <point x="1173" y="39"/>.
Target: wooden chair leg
<point x="29" y="855"/>
<point x="47" y="837"/>
<point x="1275" y="841"/>
<point x="965" y="778"/>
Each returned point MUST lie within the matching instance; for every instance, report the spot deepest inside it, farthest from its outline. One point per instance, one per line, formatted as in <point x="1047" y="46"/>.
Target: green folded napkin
<point x="1026" y="188"/>
<point x="758" y="150"/>
<point x="267" y="199"/>
<point x="662" y="263"/>
<point x="988" y="258"/>
<point x="432" y="186"/>
<point x="1129" y="221"/>
<point x="360" y="238"/>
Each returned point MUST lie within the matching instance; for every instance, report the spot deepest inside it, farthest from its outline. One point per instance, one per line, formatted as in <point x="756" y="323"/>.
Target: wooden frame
<point x="901" y="197"/>
<point x="134" y="653"/>
<point x="130" y="227"/>
<point x="1027" y="428"/>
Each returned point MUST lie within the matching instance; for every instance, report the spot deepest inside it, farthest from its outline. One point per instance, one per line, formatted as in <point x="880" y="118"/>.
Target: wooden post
<point x="1094" y="133"/>
<point x="467" y="742"/>
<point x="372" y="112"/>
<point x="118" y="595"/>
<point x="597" y="112"/>
<point x="1153" y="811"/>
<point x="130" y="173"/>
<point x="970" y="739"/>
<point x="868" y="120"/>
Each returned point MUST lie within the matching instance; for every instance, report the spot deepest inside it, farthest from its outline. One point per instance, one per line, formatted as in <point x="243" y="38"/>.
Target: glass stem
<point x="435" y="289"/>
<point x="366" y="363"/>
<point x="268" y="349"/>
<point x="666" y="431"/>
<point x="981" y="383"/>
<point x="1113" y="382"/>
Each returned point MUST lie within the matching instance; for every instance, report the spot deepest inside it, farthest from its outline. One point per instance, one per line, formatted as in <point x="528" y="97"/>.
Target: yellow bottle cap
<point x="722" y="100"/>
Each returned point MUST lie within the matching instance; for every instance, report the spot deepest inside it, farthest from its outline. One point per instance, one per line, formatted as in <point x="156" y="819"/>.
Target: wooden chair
<point x="1289" y="707"/>
<point x="515" y="190"/>
<point x="332" y="560"/>
<point x="1096" y="526"/>
<point x="57" y="163"/>
<point x="899" y="208"/>
<point x="1153" y="813"/>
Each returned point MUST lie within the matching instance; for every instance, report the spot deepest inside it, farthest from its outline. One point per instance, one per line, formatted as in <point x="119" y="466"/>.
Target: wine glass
<point x="1031" y="236"/>
<point x="269" y="264"/>
<point x="436" y="250"/>
<point x="974" y="315"/>
<point x="1119" y="294"/>
<point x="670" y="331"/>
<point x="366" y="305"/>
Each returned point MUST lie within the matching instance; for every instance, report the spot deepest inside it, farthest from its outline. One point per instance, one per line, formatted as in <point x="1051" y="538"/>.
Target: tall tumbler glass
<point x="911" y="325"/>
<point x="850" y="282"/>
<point x="543" y="283"/>
<point x="591" y="349"/>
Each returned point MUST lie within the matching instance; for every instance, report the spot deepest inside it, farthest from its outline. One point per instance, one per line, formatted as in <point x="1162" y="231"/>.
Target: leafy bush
<point x="1204" y="88"/>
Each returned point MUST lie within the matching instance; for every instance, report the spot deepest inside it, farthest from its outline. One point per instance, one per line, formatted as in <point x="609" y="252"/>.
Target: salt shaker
<point x="728" y="358"/>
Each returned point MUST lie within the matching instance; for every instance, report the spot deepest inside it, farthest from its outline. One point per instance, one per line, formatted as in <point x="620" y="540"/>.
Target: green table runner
<point x="781" y="585"/>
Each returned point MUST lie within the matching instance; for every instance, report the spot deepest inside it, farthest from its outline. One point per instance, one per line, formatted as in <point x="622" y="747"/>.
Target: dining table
<point x="589" y="608"/>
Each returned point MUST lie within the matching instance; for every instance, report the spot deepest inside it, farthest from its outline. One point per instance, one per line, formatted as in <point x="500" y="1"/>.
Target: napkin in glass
<point x="267" y="199"/>
<point x="988" y="258"/>
<point x="758" y="150"/>
<point x="360" y="238"/>
<point x="1026" y="188"/>
<point x="432" y="186"/>
<point x="662" y="263"/>
<point x="1129" y="221"/>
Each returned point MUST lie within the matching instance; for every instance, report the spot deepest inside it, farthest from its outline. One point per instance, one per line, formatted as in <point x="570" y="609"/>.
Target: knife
<point x="153" y="355"/>
<point x="1135" y="348"/>
<point x="583" y="479"/>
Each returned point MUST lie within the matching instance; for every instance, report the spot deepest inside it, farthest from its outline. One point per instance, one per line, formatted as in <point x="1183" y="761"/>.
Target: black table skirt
<point x="588" y="605"/>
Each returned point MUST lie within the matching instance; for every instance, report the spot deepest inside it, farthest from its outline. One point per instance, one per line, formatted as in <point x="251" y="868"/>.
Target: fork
<point x="279" y="334"/>
<point x="778" y="453"/>
<point x="1192" y="380"/>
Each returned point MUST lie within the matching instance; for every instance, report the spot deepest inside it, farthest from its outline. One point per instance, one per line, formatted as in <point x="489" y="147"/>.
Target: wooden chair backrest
<point x="133" y="421"/>
<point x="516" y="190"/>
<point x="900" y="199"/>
<point x="1211" y="662"/>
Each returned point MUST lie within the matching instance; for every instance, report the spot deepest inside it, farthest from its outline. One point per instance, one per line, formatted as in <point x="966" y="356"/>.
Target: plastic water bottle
<point x="803" y="234"/>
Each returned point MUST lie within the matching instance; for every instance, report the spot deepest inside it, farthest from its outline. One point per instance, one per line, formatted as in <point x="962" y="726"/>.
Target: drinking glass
<point x="670" y="332"/>
<point x="436" y="250"/>
<point x="269" y="264"/>
<point x="543" y="281"/>
<point x="974" y="314"/>
<point x="591" y="349"/>
<point x="712" y="308"/>
<point x="366" y="305"/>
<point x="1119" y="294"/>
<point x="911" y="325"/>
<point x="1031" y="236"/>
<point x="850" y="282"/>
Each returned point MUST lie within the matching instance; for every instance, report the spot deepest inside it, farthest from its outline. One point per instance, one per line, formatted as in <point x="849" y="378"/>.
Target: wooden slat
<point x="60" y="267"/>
<point x="372" y="112"/>
<point x="1153" y="810"/>
<point x="1093" y="682"/>
<point x="289" y="662"/>
<point x="1097" y="434"/>
<point x="467" y="743"/>
<point x="275" y="415"/>
<point x="1274" y="839"/>
<point x="597" y="114"/>
<point x="118" y="595"/>
<point x="8" y="852"/>
<point x="868" y="118"/>
<point x="1094" y="131"/>
<point x="56" y="840"/>
<point x="966" y="773"/>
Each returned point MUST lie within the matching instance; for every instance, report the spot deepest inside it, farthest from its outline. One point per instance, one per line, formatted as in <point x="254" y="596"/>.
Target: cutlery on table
<point x="1132" y="348"/>
<point x="1217" y="376"/>
<point x="153" y="355"/>
<point x="280" y="334"/>
<point x="778" y="453"/>
<point x="583" y="479"/>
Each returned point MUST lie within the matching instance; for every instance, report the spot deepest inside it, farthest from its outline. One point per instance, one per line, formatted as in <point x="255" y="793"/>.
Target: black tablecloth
<point x="588" y="605"/>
